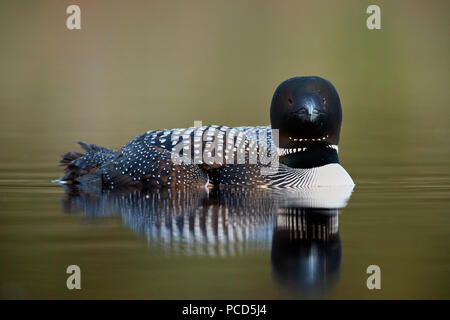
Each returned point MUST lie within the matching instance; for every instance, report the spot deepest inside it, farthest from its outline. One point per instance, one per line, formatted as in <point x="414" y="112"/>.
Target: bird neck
<point x="309" y="157"/>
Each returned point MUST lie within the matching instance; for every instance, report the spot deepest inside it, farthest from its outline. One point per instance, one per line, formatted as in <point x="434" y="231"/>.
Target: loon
<point x="299" y="149"/>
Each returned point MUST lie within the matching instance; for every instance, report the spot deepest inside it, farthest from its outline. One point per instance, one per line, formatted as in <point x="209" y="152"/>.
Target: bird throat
<point x="309" y="157"/>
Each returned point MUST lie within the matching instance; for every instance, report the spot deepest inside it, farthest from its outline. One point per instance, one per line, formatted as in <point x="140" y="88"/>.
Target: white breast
<point x="332" y="174"/>
<point x="325" y="176"/>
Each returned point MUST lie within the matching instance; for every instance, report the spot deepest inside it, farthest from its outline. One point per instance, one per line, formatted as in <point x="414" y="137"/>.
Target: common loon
<point x="299" y="149"/>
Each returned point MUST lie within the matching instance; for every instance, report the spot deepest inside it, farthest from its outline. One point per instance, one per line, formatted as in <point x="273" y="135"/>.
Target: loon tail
<point x="78" y="164"/>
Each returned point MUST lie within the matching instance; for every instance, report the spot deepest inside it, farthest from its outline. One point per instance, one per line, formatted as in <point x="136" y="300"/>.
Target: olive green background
<point x="140" y="65"/>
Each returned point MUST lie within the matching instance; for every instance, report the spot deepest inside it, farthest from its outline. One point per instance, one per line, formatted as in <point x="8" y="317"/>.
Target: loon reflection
<point x="306" y="250"/>
<point x="299" y="226"/>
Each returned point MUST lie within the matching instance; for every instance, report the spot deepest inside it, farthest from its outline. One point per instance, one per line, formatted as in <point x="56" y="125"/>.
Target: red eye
<point x="290" y="101"/>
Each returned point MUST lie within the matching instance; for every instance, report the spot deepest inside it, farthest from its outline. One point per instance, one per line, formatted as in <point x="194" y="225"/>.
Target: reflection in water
<point x="306" y="250"/>
<point x="300" y="227"/>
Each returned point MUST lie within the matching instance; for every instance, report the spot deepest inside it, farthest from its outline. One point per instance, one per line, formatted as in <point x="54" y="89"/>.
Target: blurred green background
<point x="140" y="65"/>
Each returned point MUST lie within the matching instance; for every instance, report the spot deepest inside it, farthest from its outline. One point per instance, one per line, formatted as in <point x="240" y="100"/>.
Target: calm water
<point x="158" y="65"/>
<point x="237" y="243"/>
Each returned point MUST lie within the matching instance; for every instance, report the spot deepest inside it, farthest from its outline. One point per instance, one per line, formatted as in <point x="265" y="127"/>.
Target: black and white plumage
<point x="299" y="149"/>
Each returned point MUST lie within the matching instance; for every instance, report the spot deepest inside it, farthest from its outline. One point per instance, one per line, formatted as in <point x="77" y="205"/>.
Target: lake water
<point x="231" y="243"/>
<point x="131" y="69"/>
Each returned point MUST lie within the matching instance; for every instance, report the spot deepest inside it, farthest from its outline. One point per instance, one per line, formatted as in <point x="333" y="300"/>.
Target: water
<point x="231" y="243"/>
<point x="131" y="69"/>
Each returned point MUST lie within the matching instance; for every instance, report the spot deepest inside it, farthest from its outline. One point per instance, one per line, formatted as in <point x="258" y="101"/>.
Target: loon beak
<point x="309" y="112"/>
<point x="309" y="109"/>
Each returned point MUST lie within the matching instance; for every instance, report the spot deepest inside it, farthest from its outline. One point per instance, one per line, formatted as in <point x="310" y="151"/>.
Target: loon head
<point x="307" y="112"/>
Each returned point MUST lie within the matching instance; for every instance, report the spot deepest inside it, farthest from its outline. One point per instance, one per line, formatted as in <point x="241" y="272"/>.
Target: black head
<point x="306" y="110"/>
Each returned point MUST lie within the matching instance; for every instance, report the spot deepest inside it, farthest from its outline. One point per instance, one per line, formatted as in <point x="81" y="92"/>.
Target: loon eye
<point x="290" y="101"/>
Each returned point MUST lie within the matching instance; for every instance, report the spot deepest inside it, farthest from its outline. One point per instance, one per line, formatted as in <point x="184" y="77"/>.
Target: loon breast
<point x="329" y="175"/>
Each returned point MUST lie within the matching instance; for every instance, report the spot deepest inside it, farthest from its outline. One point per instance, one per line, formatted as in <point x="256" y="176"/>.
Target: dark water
<point x="157" y="64"/>
<point x="229" y="243"/>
